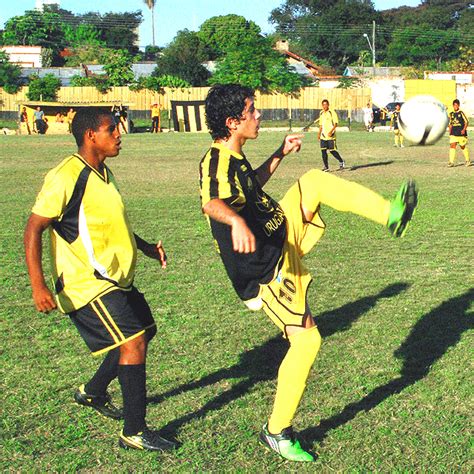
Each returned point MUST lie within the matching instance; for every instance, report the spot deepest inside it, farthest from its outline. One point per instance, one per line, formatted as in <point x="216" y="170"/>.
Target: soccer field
<point x="391" y="389"/>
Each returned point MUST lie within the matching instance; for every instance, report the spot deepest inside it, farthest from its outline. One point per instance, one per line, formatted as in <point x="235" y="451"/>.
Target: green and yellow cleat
<point x="285" y="444"/>
<point x="402" y="208"/>
<point x="147" y="440"/>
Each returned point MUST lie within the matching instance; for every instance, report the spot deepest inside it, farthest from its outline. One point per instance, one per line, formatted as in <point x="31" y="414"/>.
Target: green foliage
<point x="118" y="66"/>
<point x="183" y="58"/>
<point x="9" y="74"/>
<point x="157" y="83"/>
<point x="99" y="82"/>
<point x="220" y="34"/>
<point x="43" y="88"/>
<point x="349" y="83"/>
<point x="47" y="57"/>
<point x="83" y="35"/>
<point x="419" y="45"/>
<point x="151" y="53"/>
<point x="86" y="54"/>
<point x="37" y="29"/>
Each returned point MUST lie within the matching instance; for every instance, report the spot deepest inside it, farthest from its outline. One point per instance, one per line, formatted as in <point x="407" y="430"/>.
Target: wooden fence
<point x="308" y="98"/>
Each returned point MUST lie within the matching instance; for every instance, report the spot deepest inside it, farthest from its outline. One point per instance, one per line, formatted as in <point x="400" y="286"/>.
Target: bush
<point x="101" y="83"/>
<point x="43" y="88"/>
<point x="9" y="74"/>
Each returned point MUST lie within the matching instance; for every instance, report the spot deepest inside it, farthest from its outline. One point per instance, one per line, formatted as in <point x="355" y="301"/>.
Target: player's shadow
<point x="370" y="165"/>
<point x="261" y="363"/>
<point x="427" y="342"/>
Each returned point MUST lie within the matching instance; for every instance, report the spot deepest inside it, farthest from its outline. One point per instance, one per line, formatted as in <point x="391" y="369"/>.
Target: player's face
<point x="456" y="107"/>
<point x="107" y="138"/>
<point x="397" y="108"/>
<point x="325" y="106"/>
<point x="250" y="121"/>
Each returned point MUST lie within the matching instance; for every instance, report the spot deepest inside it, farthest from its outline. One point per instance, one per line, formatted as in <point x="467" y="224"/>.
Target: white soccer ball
<point x="423" y="120"/>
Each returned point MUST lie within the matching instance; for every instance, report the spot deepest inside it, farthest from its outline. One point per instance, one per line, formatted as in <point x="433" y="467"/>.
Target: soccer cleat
<point x="285" y="444"/>
<point x="102" y="403"/>
<point x="402" y="208"/>
<point x="402" y="146"/>
<point x="342" y="165"/>
<point x="450" y="165"/>
<point x="325" y="170"/>
<point x="468" y="163"/>
<point x="147" y="440"/>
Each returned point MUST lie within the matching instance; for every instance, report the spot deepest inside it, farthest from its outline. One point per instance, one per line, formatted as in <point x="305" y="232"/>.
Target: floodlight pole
<point x="372" y="46"/>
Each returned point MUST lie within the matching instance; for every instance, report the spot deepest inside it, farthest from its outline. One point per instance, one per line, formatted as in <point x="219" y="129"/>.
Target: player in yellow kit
<point x="458" y="124"/>
<point x="328" y="121"/>
<point x="396" y="129"/>
<point x="261" y="241"/>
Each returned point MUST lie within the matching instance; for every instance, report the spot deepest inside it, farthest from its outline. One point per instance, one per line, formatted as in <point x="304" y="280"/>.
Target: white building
<point x="24" y="56"/>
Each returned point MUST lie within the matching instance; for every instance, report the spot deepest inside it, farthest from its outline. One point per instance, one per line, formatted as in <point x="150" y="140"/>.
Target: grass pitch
<point x="390" y="389"/>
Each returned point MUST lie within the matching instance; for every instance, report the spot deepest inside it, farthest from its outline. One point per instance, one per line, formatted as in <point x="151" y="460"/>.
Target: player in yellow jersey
<point x="261" y="241"/>
<point x="458" y="124"/>
<point x="328" y="122"/>
<point x="94" y="252"/>
<point x="395" y="126"/>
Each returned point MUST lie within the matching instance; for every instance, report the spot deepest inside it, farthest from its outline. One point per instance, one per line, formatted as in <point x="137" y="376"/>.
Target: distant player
<point x="156" y="118"/>
<point x="368" y="117"/>
<point x="458" y="124"/>
<point x="94" y="252"/>
<point x="398" y="137"/>
<point x="261" y="241"/>
<point x="328" y="122"/>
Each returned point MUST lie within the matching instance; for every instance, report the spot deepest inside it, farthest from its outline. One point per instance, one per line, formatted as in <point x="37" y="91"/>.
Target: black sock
<point x="132" y="379"/>
<point x="106" y="372"/>
<point x="324" y="154"/>
<point x="337" y="156"/>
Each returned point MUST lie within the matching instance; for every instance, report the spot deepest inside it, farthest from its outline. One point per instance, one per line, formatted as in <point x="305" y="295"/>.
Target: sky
<point x="172" y="16"/>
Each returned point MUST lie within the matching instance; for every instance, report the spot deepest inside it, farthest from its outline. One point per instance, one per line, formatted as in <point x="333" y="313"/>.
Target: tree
<point x="332" y="30"/>
<point x="36" y="28"/>
<point x="183" y="58"/>
<point x="255" y="64"/>
<point x="151" y="5"/>
<point x="223" y="33"/>
<point x="118" y="66"/>
<point x="10" y="74"/>
<point x="43" y="88"/>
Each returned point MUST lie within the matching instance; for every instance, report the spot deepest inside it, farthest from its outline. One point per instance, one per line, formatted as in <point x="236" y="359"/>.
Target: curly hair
<point x="222" y="102"/>
<point x="87" y="118"/>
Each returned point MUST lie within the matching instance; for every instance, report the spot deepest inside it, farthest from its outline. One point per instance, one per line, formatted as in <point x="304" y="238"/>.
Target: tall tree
<point x="151" y="5"/>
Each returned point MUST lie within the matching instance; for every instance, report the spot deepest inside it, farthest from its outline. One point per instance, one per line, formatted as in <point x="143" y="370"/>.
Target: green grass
<point x="391" y="387"/>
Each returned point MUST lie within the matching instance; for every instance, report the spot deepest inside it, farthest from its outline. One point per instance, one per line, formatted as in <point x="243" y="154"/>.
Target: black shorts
<point x="112" y="319"/>
<point x="328" y="144"/>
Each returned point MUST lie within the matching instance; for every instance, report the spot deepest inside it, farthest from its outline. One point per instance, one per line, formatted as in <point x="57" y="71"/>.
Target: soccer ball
<point x="423" y="120"/>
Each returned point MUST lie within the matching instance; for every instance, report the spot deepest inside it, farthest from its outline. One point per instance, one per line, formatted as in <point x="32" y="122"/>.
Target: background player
<point x="458" y="123"/>
<point x="261" y="241"/>
<point x="94" y="254"/>
<point x="398" y="137"/>
<point x="328" y="121"/>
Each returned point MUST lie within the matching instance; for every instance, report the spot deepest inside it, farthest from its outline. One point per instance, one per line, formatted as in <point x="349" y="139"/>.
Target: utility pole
<point x="372" y="46"/>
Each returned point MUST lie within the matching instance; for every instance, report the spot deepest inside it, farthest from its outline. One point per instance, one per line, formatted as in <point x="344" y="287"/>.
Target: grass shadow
<point x="427" y="342"/>
<point x="262" y="363"/>
<point x="370" y="165"/>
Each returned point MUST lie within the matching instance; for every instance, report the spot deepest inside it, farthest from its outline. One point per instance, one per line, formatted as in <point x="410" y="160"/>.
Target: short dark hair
<point x="325" y="100"/>
<point x="456" y="101"/>
<point x="224" y="101"/>
<point x="87" y="118"/>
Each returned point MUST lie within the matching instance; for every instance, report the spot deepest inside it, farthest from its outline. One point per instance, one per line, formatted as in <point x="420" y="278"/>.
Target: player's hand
<point x="243" y="240"/>
<point x="44" y="299"/>
<point x="292" y="143"/>
<point x="157" y="252"/>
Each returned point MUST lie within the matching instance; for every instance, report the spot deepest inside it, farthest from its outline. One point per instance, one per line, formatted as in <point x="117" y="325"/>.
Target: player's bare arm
<point x="291" y="143"/>
<point x="155" y="251"/>
<point x="243" y="240"/>
<point x="43" y="298"/>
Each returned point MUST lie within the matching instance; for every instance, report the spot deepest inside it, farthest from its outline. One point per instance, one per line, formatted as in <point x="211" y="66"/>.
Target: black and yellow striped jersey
<point x="327" y="120"/>
<point x="394" y="120"/>
<point x="229" y="176"/>
<point x="93" y="247"/>
<point x="457" y="122"/>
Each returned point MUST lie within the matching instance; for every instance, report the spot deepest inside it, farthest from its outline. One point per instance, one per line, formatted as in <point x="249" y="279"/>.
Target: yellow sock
<point x="452" y="155"/>
<point x="324" y="188"/>
<point x="465" y="152"/>
<point x="292" y="376"/>
<point x="400" y="137"/>
<point x="396" y="140"/>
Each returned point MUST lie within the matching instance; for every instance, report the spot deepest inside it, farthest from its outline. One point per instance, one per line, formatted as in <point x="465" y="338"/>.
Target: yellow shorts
<point x="461" y="141"/>
<point x="284" y="298"/>
<point x="396" y="131"/>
